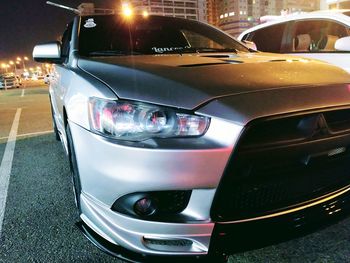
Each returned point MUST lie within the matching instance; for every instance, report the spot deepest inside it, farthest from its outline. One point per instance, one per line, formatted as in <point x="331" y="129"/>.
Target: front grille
<point x="284" y="162"/>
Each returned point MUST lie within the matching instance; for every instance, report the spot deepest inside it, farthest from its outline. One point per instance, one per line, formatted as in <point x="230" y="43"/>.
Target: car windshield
<point x="114" y="36"/>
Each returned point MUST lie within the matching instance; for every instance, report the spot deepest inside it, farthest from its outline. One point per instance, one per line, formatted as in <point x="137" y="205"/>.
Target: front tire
<point x="74" y="169"/>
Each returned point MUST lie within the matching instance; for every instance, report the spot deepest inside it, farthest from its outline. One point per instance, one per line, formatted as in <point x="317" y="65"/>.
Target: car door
<point x="269" y="39"/>
<point x="58" y="84"/>
<point x="315" y="38"/>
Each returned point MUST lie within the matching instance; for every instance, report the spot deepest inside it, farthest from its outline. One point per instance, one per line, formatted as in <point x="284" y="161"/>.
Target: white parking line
<point x="29" y="134"/>
<point x="6" y="165"/>
<point x="22" y="95"/>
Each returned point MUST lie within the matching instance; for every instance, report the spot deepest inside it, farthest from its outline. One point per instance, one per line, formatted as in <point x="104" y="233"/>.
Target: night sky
<point x="25" y="23"/>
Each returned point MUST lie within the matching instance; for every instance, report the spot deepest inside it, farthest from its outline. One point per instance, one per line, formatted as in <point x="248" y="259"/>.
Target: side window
<point x="65" y="42"/>
<point x="316" y="35"/>
<point x="268" y="39"/>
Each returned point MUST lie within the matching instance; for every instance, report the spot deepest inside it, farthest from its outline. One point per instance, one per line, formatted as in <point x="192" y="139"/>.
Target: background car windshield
<point x="113" y="35"/>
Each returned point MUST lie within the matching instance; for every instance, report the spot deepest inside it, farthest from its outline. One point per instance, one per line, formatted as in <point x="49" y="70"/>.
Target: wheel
<point x="54" y="126"/>
<point x="74" y="169"/>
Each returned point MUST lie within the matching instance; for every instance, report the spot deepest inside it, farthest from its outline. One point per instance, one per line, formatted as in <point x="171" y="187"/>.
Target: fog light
<point x="156" y="205"/>
<point x="145" y="207"/>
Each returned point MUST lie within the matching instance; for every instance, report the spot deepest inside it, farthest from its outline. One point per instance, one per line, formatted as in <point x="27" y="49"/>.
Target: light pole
<point x="14" y="65"/>
<point x="4" y="67"/>
<point x="23" y="59"/>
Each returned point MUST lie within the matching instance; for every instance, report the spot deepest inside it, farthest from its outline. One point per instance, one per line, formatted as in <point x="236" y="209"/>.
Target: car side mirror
<point x="342" y="44"/>
<point x="250" y="44"/>
<point x="48" y="53"/>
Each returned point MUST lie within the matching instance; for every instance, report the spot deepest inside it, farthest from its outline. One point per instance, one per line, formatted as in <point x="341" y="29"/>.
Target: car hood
<point x="189" y="80"/>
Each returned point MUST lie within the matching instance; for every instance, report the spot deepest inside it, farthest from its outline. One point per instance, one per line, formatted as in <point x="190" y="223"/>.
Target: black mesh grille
<point x="283" y="162"/>
<point x="172" y="202"/>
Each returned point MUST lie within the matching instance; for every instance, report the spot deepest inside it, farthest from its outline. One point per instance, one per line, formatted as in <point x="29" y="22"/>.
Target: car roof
<point x="336" y="15"/>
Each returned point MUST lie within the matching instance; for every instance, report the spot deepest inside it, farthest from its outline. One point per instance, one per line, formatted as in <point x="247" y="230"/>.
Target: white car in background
<point x="323" y="35"/>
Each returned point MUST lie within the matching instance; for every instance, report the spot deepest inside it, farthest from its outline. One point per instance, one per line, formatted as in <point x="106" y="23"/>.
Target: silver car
<point x="9" y="80"/>
<point x="183" y="142"/>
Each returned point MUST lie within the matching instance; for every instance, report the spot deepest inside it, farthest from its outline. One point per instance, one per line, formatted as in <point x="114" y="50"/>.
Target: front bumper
<point x="117" y="170"/>
<point x="233" y="237"/>
<point x="109" y="171"/>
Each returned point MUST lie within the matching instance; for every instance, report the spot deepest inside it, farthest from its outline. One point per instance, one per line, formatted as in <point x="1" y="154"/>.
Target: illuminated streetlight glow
<point x="145" y="13"/>
<point x="22" y="59"/>
<point x="127" y="11"/>
<point x="4" y="66"/>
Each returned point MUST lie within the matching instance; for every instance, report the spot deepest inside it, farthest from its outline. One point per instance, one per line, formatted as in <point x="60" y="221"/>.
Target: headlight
<point x="134" y="121"/>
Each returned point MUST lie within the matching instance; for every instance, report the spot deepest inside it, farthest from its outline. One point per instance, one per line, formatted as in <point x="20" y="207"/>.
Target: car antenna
<point x="84" y="9"/>
<point x="75" y="10"/>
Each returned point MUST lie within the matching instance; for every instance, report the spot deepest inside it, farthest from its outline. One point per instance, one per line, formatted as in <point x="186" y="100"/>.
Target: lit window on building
<point x="156" y="10"/>
<point x="191" y="11"/>
<point x="190" y="4"/>
<point x="179" y="11"/>
<point x="179" y="3"/>
<point x="168" y="10"/>
<point x="192" y="17"/>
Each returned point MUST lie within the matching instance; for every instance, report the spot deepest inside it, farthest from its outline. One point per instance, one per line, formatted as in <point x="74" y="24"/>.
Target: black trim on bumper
<point x="129" y="256"/>
<point x="243" y="236"/>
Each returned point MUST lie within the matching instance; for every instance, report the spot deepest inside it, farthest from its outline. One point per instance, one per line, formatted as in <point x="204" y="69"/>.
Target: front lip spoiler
<point x="133" y="257"/>
<point x="239" y="236"/>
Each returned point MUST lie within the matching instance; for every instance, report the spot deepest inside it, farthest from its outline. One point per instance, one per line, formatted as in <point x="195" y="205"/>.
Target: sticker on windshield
<point x="89" y="23"/>
<point x="161" y="50"/>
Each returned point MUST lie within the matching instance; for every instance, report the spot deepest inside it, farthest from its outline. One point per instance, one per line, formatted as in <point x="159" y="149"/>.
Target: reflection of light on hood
<point x="304" y="60"/>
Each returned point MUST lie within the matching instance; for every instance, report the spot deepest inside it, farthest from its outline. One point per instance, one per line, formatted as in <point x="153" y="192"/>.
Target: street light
<point x="4" y="66"/>
<point x="13" y="64"/>
<point x="127" y="11"/>
<point x="47" y="67"/>
<point x="24" y="59"/>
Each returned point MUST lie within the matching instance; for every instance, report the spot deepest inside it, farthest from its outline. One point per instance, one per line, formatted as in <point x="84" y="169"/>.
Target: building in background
<point x="339" y="4"/>
<point x="234" y="16"/>
<point x="190" y="9"/>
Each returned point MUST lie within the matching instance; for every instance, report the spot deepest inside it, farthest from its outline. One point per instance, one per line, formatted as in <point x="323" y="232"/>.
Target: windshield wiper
<point x="113" y="53"/>
<point x="209" y="49"/>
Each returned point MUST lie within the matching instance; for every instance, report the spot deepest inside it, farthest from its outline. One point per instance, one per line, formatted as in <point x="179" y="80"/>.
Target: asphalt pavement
<point x="39" y="220"/>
